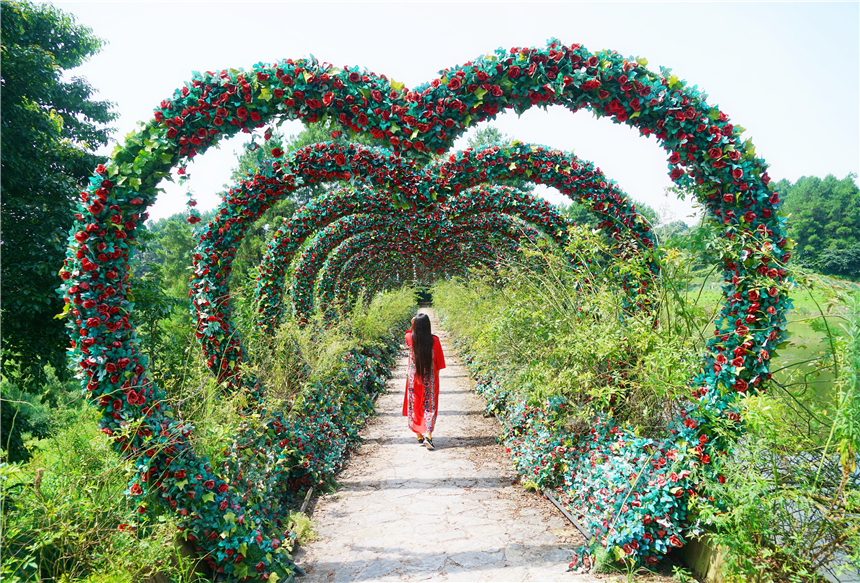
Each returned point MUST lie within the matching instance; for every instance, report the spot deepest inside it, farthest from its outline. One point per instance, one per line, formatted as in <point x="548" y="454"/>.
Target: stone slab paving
<point x="404" y="513"/>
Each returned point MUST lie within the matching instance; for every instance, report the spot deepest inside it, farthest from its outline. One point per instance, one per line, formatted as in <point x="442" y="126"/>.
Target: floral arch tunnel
<point x="397" y="207"/>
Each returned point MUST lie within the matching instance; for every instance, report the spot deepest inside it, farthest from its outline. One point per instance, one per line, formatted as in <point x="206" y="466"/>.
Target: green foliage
<point x="824" y="220"/>
<point x="64" y="512"/>
<point x="27" y="414"/>
<point x="303" y="527"/>
<point x="165" y="251"/>
<point x="50" y="129"/>
<point x="579" y="215"/>
<point x="789" y="509"/>
<point x="555" y="329"/>
<point x="488" y="135"/>
<point x="373" y="320"/>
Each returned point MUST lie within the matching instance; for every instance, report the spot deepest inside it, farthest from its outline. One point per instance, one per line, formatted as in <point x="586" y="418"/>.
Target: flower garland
<point x="461" y="171"/>
<point x="451" y="251"/>
<point x="703" y="147"/>
<point x="469" y="204"/>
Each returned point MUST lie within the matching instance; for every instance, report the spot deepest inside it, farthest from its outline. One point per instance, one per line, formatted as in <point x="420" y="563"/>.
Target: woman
<point x="421" y="401"/>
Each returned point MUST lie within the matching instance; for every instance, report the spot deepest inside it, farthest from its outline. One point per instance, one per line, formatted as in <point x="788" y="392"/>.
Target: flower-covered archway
<point x="377" y="168"/>
<point x="460" y="245"/>
<point x="326" y="241"/>
<point x="703" y="148"/>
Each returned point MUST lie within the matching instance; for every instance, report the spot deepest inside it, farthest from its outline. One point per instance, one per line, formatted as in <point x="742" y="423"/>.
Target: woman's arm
<point x="439" y="356"/>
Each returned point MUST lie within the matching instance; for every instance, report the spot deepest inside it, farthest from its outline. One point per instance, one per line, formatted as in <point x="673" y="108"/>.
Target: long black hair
<point x="422" y="345"/>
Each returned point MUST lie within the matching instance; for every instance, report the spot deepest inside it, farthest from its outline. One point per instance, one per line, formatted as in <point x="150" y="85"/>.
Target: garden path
<point x="404" y="513"/>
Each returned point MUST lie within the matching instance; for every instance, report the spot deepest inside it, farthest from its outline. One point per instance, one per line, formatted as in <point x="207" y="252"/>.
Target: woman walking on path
<point x="421" y="401"/>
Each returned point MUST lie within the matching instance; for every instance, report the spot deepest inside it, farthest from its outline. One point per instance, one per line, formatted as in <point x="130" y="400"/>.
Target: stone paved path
<point x="407" y="514"/>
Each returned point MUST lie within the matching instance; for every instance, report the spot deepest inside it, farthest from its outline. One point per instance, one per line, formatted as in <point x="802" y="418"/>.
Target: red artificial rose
<point x="674" y="158"/>
<point x="354" y="77"/>
<point x="242" y="113"/>
<point x="136" y="490"/>
<point x="737" y="173"/>
<point x="749" y="216"/>
<point x="455" y="84"/>
<point x="277" y="152"/>
<point x="715" y="153"/>
<point x="675" y="541"/>
<point x="514" y="72"/>
<point x="193" y="219"/>
<point x="171" y="133"/>
<point x="340" y="160"/>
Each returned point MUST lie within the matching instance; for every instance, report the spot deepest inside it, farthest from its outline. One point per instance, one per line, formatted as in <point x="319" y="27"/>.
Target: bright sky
<point x="788" y="72"/>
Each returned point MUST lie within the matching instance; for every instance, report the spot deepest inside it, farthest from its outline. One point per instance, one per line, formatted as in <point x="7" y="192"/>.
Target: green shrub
<point x="64" y="513"/>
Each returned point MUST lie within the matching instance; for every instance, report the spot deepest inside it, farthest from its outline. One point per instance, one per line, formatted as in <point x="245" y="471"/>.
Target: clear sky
<point x="788" y="72"/>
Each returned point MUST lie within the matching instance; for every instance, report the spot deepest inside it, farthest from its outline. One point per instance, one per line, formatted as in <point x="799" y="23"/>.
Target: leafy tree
<point x="488" y="135"/>
<point x="824" y="220"/>
<point x="577" y="214"/>
<point x="841" y="262"/>
<point x="166" y="251"/>
<point x="50" y="128"/>
<point x="672" y="230"/>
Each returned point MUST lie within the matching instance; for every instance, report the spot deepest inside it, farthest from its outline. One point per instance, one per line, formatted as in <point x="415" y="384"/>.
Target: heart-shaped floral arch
<point x="573" y="177"/>
<point x="325" y="242"/>
<point x="360" y="258"/>
<point x="704" y="150"/>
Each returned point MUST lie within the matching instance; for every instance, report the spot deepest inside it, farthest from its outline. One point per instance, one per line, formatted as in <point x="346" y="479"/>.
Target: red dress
<point x="421" y="401"/>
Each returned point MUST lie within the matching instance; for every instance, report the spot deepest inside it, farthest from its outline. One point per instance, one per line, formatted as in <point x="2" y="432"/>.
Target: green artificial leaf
<point x="642" y="61"/>
<point x="181" y="485"/>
